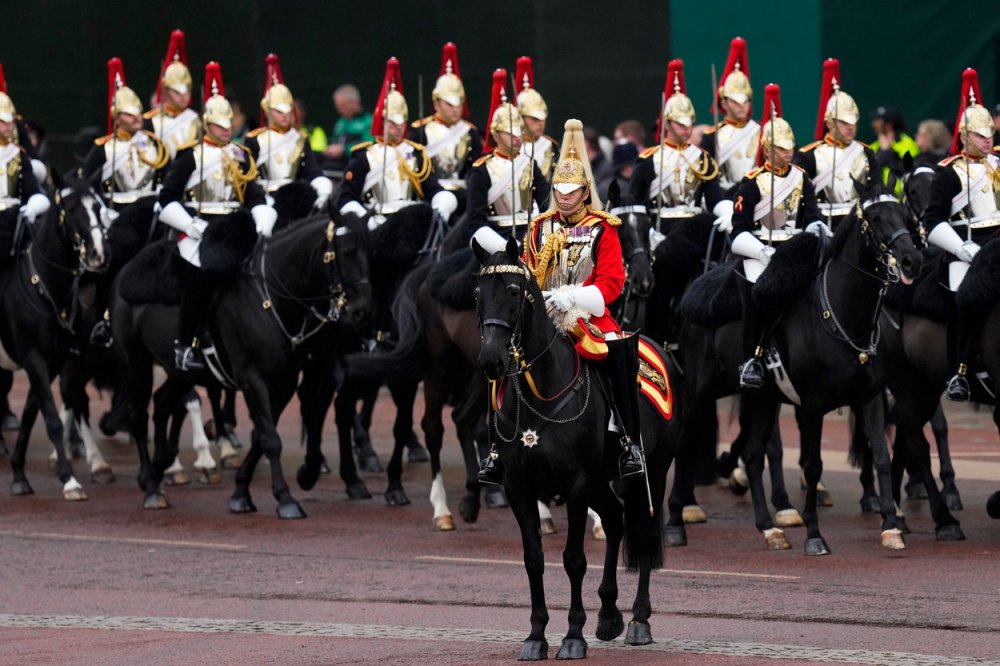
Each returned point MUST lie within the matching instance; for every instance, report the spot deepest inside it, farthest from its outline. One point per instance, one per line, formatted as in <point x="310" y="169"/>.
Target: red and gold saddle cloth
<point x="654" y="381"/>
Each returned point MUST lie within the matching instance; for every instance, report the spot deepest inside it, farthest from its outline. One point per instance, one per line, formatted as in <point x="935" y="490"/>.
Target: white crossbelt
<point x="961" y="200"/>
<point x="737" y="142"/>
<point x="783" y="190"/>
<point x="454" y="133"/>
<point x="498" y="188"/>
<point x="847" y="157"/>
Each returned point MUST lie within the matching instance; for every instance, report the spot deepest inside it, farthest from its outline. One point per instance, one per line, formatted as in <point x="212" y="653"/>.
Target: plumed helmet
<point x="121" y="98"/>
<point x="529" y="101"/>
<point x="175" y="74"/>
<point x="218" y="111"/>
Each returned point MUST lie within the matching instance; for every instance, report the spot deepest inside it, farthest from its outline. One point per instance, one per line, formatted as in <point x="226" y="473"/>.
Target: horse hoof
<point x="444" y="524"/>
<point x="638" y="633"/>
<point x="397" y="497"/>
<point x="230" y="462"/>
<point x="572" y="648"/>
<point x="993" y="506"/>
<point x="676" y="535"/>
<point x="599" y="533"/>
<point x="324" y="468"/>
<point x="823" y="497"/>
<point x="417" y="454"/>
<point x="739" y="483"/>
<point x="533" y="650"/>
<point x="870" y="505"/>
<point x="210" y="476"/>
<point x="468" y="510"/>
<point x="102" y="475"/>
<point x="18" y="488"/>
<point x="903" y="527"/>
<point x="496" y="498"/>
<point x="953" y="501"/>
<point x="788" y="518"/>
<point x="816" y="546"/>
<point x="180" y="478"/>
<point x="75" y="495"/>
<point x="155" y="501"/>
<point x="306" y="477"/>
<point x="916" y="490"/>
<point x="776" y="539"/>
<point x="610" y="629"/>
<point x="370" y="464"/>
<point x="693" y="514"/>
<point x="358" y="491"/>
<point x="241" y="505"/>
<point x="950" y="532"/>
<point x="290" y="511"/>
<point x="547" y="527"/>
<point x="893" y="539"/>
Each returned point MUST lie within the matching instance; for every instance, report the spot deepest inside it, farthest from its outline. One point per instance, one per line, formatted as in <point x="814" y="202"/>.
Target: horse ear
<point x="614" y="193"/>
<point x="864" y="191"/>
<point x="512" y="250"/>
<point x="481" y="254"/>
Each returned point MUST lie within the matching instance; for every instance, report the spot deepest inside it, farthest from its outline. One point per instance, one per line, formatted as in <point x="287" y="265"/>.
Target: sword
<point x="513" y="176"/>
<point x="833" y="180"/>
<point x="663" y="129"/>
<point x="968" y="172"/>
<point x="715" y="110"/>
<point x="420" y="95"/>
<point x="385" y="146"/>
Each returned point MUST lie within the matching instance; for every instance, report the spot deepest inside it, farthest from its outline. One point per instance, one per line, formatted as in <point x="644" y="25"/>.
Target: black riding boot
<point x="491" y="469"/>
<point x="198" y="291"/>
<point x="752" y="370"/>
<point x="622" y="370"/>
<point x="964" y="324"/>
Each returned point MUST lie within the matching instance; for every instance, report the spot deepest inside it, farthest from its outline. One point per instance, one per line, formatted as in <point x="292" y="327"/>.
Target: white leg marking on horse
<point x="72" y="484"/>
<point x="544" y="512"/>
<point x="439" y="498"/>
<point x="176" y="467"/>
<point x="94" y="455"/>
<point x="199" y="440"/>
<point x="594" y="517"/>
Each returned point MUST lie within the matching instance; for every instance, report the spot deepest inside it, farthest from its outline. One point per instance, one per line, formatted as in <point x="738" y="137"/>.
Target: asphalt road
<point x="106" y="582"/>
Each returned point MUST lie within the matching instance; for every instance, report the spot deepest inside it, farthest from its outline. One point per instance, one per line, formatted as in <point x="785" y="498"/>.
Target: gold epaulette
<point x="152" y="113"/>
<point x="482" y="160"/>
<point x="715" y="128"/>
<point x="418" y="146"/>
<point x="948" y="160"/>
<point x="256" y="132"/>
<point x="649" y="152"/>
<point x="544" y="216"/>
<point x="361" y="146"/>
<point x="555" y="142"/>
<point x="190" y="144"/>
<point x="807" y="148"/>
<point x="613" y="220"/>
<point x="753" y="173"/>
<point x="101" y="140"/>
<point x="420" y="122"/>
<point x="796" y="166"/>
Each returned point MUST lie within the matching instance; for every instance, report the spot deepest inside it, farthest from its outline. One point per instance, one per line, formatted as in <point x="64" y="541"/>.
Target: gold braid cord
<point x="235" y="175"/>
<point x="706" y="170"/>
<point x="543" y="262"/>
<point x="994" y="175"/>
<point x="415" y="177"/>
<point x="162" y="156"/>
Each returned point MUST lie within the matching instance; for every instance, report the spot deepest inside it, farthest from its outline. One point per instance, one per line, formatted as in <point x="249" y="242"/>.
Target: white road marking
<point x="685" y="572"/>
<point x="391" y="632"/>
<point x="126" y="540"/>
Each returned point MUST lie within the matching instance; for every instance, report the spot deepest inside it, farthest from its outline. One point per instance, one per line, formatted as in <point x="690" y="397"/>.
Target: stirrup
<point x="752" y="374"/>
<point x="100" y="335"/>
<point x="491" y="470"/>
<point x="188" y="358"/>
<point x="631" y="463"/>
<point x="958" y="388"/>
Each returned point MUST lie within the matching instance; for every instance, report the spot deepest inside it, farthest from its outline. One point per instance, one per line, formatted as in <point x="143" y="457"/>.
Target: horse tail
<point x="406" y="357"/>
<point x="643" y="543"/>
<point x="860" y="448"/>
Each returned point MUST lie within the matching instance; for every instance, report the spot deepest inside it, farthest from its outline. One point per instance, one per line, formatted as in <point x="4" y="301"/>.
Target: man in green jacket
<point x="352" y="127"/>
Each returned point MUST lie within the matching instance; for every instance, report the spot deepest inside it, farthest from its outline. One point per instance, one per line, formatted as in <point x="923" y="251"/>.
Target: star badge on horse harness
<point x="530" y="438"/>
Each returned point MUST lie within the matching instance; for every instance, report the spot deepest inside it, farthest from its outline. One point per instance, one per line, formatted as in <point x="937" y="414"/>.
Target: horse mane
<point x="843" y="231"/>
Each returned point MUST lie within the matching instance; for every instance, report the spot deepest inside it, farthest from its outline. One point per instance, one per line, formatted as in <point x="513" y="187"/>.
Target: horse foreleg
<point x="206" y="470"/>
<point x="575" y="563"/>
<point x="785" y="514"/>
<point x="344" y="404"/>
<point x="265" y="401"/>
<point x="522" y="503"/>
<point x="872" y="414"/>
<point x="810" y="422"/>
<point x="368" y="394"/>
<point x="610" y="623"/>
<point x="41" y="387"/>
<point x="758" y="417"/>
<point x="225" y="437"/>
<point x="949" y="491"/>
<point x="19" y="485"/>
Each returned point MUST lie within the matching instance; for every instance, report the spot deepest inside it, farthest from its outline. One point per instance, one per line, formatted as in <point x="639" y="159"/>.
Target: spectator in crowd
<point x="696" y="133"/>
<point x="599" y="164"/>
<point x="894" y="149"/>
<point x="314" y="133"/>
<point x="631" y="131"/>
<point x="996" y="125"/>
<point x="934" y="140"/>
<point x="623" y="159"/>
<point x="352" y="127"/>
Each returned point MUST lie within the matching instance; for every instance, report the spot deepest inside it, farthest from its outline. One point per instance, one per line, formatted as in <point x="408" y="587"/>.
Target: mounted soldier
<point x="505" y="188"/>
<point x="18" y="186"/>
<point x="22" y="137"/>
<point x="733" y="142"/>
<point x="214" y="178"/>
<point x="574" y="254"/>
<point x="391" y="173"/>
<point x="281" y="151"/>
<point x="961" y="216"/>
<point x="534" y="111"/>
<point x="773" y="203"/>
<point x="451" y="142"/>
<point x="837" y="159"/>
<point x="124" y="165"/>
<point x="173" y="120"/>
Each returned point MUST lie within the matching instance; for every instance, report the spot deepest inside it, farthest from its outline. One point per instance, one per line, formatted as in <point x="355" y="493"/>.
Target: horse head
<point x="634" y="237"/>
<point x="504" y="297"/>
<point x="85" y="219"/>
<point x="917" y="194"/>
<point x="885" y="230"/>
<point x="348" y="275"/>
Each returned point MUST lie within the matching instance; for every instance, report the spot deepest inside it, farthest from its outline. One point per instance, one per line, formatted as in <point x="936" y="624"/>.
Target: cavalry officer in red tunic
<point x="963" y="214"/>
<point x="576" y="258"/>
<point x="838" y="159"/>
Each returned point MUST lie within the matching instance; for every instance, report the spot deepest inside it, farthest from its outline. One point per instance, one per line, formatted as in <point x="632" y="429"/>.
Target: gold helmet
<point x="504" y="116"/>
<point x="529" y="101"/>
<point x="573" y="169"/>
<point x="842" y="107"/>
<point x="391" y="103"/>
<point x="972" y="116"/>
<point x="217" y="108"/>
<point x="834" y="104"/>
<point x="277" y="96"/>
<point x="776" y="128"/>
<point x="449" y="86"/>
<point x="121" y="98"/>
<point x="7" y="110"/>
<point x="736" y="75"/>
<point x="175" y="75"/>
<point x="679" y="107"/>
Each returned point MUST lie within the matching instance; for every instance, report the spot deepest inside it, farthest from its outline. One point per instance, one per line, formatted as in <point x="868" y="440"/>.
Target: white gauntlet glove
<point x="174" y="215"/>
<point x="819" y="229"/>
<point x="489" y="240"/>
<point x="354" y="208"/>
<point x="444" y="203"/>
<point x="323" y="187"/>
<point x="36" y="205"/>
<point x="589" y="298"/>
<point x="723" y="212"/>
<point x="967" y="251"/>
<point x="264" y="218"/>
<point x="946" y="238"/>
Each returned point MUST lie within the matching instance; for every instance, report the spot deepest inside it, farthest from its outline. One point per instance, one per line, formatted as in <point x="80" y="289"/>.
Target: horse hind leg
<point x="19" y="485"/>
<point x="949" y="491"/>
<point x="205" y="468"/>
<point x="225" y="439"/>
<point x="100" y="470"/>
<point x="164" y="430"/>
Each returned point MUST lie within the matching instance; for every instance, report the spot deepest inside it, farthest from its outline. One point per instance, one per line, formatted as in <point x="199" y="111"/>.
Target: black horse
<point x="630" y="309"/>
<point x="37" y="296"/>
<point x="827" y="341"/>
<point x="557" y="446"/>
<point x="261" y="322"/>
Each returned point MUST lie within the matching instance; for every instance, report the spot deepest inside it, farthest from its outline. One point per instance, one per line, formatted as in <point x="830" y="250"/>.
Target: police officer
<point x="386" y="175"/>
<point x="773" y="203"/>
<point x="534" y="112"/>
<point x="280" y="150"/>
<point x="962" y="215"/>
<point x="505" y="187"/>
<point x="173" y="120"/>
<point x="837" y="159"/>
<point x="213" y="177"/>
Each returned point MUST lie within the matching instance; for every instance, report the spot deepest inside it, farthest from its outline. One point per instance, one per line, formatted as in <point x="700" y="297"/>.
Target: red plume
<point x="970" y="95"/>
<point x="772" y="93"/>
<point x="392" y="76"/>
<point x="272" y="69"/>
<point x="449" y="54"/>
<point x="524" y="73"/>
<point x="830" y="84"/>
<point x="213" y="79"/>
<point x="116" y="80"/>
<point x="737" y="56"/>
<point x="497" y="97"/>
<point x="176" y="50"/>
<point x="674" y="84"/>
<point x="3" y="81"/>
